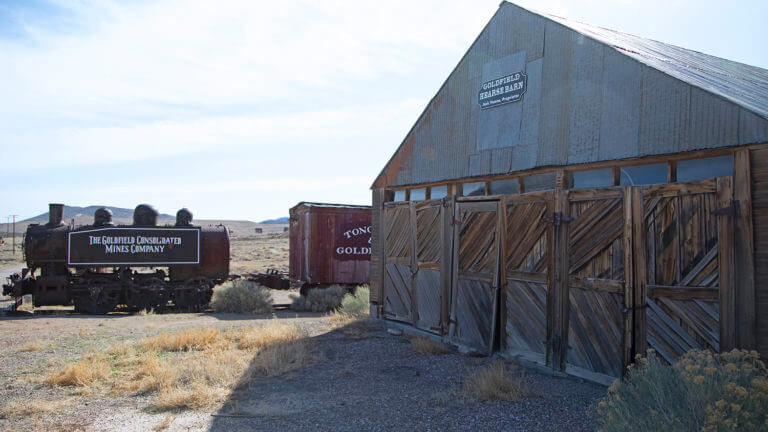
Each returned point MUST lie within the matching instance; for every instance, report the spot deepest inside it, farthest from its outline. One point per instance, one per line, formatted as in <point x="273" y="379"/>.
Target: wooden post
<point x="639" y="251"/>
<point x="726" y="266"/>
<point x="503" y="241"/>
<point x="629" y="280"/>
<point x="446" y="261"/>
<point x="744" y="251"/>
<point x="414" y="266"/>
<point x="559" y="289"/>
<point x="377" y="250"/>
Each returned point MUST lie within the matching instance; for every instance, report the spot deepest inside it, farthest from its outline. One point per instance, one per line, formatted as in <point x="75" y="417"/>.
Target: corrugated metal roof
<point x="315" y="204"/>
<point x="742" y="84"/>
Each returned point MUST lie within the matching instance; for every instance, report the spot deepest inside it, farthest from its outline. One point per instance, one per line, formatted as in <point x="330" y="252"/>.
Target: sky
<point x="241" y="109"/>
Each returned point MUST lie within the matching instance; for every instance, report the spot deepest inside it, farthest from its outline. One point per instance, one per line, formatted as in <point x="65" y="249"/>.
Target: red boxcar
<point x="330" y="243"/>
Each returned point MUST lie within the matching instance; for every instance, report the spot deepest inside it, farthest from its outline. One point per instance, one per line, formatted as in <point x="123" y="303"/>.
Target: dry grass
<point x="93" y="367"/>
<point x="193" y="368"/>
<point x="428" y="346"/>
<point x="496" y="382"/>
<point x="165" y="423"/>
<point x="274" y="332"/>
<point x="32" y="346"/>
<point x="354" y="327"/>
<point x="145" y="312"/>
<point x="25" y="408"/>
<point x="186" y="340"/>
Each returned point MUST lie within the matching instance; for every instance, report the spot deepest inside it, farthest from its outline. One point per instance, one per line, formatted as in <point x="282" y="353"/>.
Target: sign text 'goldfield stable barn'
<point x="573" y="196"/>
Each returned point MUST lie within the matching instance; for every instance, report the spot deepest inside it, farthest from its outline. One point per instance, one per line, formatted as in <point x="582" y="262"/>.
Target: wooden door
<point x="599" y="334"/>
<point x="476" y="274"/>
<point x="685" y="268"/>
<point x="432" y="286"/>
<point x="398" y="277"/>
<point x="526" y="252"/>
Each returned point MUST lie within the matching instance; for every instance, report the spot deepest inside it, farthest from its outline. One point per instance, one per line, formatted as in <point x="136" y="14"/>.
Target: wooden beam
<point x="616" y="176"/>
<point x="726" y="266"/>
<point x="414" y="267"/>
<point x="671" y="172"/>
<point x="744" y="250"/>
<point x="640" y="253"/>
<point x="628" y="346"/>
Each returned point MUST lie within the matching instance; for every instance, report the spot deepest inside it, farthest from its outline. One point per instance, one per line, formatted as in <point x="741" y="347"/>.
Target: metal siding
<point x="713" y="121"/>
<point x="620" y="119"/>
<point x="593" y="94"/>
<point x="752" y="128"/>
<point x="585" y="100"/>
<point x="663" y="113"/>
<point x="500" y="126"/>
<point x="556" y="77"/>
<point x="525" y="154"/>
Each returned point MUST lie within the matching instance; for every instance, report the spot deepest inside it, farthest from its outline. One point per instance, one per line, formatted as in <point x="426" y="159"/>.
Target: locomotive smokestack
<point x="55" y="214"/>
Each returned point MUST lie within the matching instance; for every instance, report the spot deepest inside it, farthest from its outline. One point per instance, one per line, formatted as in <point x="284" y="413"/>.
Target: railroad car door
<point x="398" y="280"/>
<point x="475" y="274"/>
<point x="526" y="251"/>
<point x="598" y="297"/>
<point x="685" y="267"/>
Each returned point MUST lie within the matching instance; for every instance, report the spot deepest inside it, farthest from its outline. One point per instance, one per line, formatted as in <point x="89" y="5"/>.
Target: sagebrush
<point x="320" y="299"/>
<point x="357" y="304"/>
<point x="241" y="296"/>
<point x="702" y="391"/>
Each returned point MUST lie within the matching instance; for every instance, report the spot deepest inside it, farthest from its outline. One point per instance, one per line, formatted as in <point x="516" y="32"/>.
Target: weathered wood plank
<point x="726" y="266"/>
<point x="744" y="250"/>
<point x="628" y="347"/>
<point x="684" y="292"/>
<point x="640" y="251"/>
<point x="596" y="284"/>
<point x="677" y="189"/>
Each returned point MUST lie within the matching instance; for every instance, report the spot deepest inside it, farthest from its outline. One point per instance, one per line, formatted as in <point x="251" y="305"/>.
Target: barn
<point x="573" y="196"/>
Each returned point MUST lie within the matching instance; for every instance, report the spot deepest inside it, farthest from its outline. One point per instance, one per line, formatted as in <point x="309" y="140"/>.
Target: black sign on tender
<point x="504" y="90"/>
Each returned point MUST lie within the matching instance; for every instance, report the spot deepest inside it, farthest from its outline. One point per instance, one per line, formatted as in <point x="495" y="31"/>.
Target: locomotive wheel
<point x="99" y="298"/>
<point x="140" y="299"/>
<point x="194" y="295"/>
<point x="155" y="294"/>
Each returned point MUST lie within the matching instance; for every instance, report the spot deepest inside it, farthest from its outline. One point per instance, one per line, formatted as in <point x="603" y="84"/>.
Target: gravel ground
<point x="374" y="383"/>
<point x="380" y="383"/>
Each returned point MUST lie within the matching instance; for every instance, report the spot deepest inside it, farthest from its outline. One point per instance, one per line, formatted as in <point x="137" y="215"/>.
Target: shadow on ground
<point x="367" y="379"/>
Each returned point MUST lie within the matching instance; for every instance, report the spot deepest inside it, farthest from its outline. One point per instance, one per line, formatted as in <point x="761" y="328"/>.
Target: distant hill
<point x="281" y="220"/>
<point x="74" y="211"/>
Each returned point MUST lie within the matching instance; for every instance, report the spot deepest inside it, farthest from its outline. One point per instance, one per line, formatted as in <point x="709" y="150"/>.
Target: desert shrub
<point x="495" y="382"/>
<point x="702" y="391"/>
<point x="320" y="299"/>
<point x="428" y="346"/>
<point x="357" y="304"/>
<point x="241" y="296"/>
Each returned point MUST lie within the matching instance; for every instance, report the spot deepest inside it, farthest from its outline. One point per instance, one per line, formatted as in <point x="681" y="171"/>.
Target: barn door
<point x="432" y="294"/>
<point x="527" y="242"/>
<point x="686" y="267"/>
<point x="398" y="283"/>
<point x="599" y="335"/>
<point x="476" y="274"/>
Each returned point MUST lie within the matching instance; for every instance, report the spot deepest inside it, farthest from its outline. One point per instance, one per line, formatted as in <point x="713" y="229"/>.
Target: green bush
<point x="357" y="304"/>
<point x="701" y="392"/>
<point x="320" y="299"/>
<point x="241" y="296"/>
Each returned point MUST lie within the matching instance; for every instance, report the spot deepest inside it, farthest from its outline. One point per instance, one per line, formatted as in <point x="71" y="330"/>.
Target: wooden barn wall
<point x="585" y="102"/>
<point x="759" y="168"/>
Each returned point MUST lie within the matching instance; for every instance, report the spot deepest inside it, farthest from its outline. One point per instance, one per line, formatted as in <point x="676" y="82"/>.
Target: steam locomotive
<point x="141" y="266"/>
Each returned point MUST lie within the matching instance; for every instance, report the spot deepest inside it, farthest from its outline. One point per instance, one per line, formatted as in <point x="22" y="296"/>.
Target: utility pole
<point x="14" y="234"/>
<point x="7" y="226"/>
